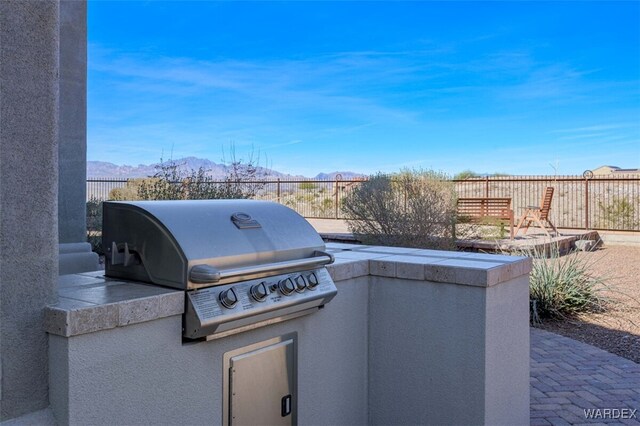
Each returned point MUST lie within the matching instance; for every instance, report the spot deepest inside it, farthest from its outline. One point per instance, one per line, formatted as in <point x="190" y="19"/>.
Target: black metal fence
<point x="599" y="202"/>
<point x="310" y="198"/>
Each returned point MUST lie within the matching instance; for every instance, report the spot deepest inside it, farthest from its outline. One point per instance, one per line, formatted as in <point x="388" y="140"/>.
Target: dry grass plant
<point x="563" y="286"/>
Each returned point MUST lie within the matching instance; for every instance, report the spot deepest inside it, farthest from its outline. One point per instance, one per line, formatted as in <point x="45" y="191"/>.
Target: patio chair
<point x="539" y="215"/>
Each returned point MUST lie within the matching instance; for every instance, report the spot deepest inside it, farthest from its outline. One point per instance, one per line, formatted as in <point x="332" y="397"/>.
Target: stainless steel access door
<point x="262" y="383"/>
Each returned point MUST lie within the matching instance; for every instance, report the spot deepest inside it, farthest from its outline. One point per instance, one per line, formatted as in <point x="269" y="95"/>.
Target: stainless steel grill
<point x="242" y="263"/>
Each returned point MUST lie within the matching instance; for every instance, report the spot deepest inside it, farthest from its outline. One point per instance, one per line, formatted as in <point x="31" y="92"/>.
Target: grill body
<point x="242" y="263"/>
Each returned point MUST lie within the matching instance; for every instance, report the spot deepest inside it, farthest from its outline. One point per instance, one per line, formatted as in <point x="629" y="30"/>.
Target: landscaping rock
<point x="585" y="245"/>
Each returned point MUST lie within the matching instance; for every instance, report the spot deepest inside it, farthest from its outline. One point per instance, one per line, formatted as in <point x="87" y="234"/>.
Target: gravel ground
<point x="617" y="329"/>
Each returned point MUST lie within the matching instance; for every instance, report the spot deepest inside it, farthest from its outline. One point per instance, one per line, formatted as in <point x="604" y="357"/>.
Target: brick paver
<point x="570" y="377"/>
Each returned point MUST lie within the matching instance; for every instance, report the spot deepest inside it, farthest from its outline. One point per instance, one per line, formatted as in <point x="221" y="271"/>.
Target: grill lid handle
<point x="206" y="274"/>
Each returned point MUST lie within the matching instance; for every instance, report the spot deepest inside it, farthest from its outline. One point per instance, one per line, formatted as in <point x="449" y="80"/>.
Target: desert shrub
<point x="314" y="203"/>
<point x="470" y="174"/>
<point x="321" y="206"/>
<point x="618" y="212"/>
<point x="129" y="192"/>
<point x="307" y="186"/>
<point x="94" y="225"/>
<point x="562" y="286"/>
<point x="326" y="206"/>
<point x="173" y="182"/>
<point x="413" y="208"/>
<point x="466" y="174"/>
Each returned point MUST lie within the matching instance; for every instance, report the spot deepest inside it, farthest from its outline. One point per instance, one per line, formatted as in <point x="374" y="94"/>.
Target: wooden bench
<point x="478" y="210"/>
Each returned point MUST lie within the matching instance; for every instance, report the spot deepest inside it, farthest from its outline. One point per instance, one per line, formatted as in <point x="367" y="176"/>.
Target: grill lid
<point x="199" y="243"/>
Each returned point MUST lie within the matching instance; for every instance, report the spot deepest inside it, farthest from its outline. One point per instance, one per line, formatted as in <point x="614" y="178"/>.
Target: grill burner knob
<point x="312" y="281"/>
<point x="301" y="284"/>
<point x="259" y="292"/>
<point x="228" y="298"/>
<point x="286" y="286"/>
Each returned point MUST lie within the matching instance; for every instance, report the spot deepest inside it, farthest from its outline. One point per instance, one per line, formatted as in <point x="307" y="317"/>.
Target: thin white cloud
<point x="596" y="128"/>
<point x="279" y="145"/>
<point x="583" y="136"/>
<point x="273" y="85"/>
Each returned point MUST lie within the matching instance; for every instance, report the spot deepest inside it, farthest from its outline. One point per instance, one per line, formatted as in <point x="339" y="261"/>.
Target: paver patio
<point x="569" y="377"/>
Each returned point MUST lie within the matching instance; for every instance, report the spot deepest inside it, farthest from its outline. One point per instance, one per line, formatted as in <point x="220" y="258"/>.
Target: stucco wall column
<point x="29" y="84"/>
<point x="72" y="126"/>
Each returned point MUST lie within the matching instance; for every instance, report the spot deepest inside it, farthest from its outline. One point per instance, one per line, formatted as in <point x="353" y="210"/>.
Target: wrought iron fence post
<point x="486" y="187"/>
<point x="278" y="190"/>
<point x="337" y="198"/>
<point x="586" y="203"/>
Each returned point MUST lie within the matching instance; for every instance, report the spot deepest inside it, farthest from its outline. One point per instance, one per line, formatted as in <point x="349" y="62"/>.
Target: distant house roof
<point x="605" y="170"/>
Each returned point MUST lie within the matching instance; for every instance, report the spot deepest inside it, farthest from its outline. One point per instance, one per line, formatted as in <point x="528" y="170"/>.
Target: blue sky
<point x="514" y="87"/>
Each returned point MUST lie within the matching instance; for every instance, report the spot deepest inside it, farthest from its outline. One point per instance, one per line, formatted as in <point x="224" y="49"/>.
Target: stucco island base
<point x="413" y="336"/>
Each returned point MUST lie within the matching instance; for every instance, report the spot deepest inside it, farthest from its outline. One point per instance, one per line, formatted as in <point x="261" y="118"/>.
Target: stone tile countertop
<point x="455" y="267"/>
<point x="90" y="302"/>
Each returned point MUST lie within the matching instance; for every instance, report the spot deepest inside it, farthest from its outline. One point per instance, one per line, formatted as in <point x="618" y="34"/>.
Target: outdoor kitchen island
<point x="412" y="337"/>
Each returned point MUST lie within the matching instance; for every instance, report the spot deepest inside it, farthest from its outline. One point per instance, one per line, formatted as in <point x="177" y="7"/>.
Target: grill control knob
<point x="286" y="286"/>
<point x="259" y="292"/>
<point x="228" y="298"/>
<point x="301" y="283"/>
<point x="312" y="281"/>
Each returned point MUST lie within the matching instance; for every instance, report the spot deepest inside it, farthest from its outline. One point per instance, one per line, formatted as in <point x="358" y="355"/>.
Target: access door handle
<point x="285" y="404"/>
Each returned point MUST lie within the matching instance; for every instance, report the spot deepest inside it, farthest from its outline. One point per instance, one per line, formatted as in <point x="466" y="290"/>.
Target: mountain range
<point x="103" y="169"/>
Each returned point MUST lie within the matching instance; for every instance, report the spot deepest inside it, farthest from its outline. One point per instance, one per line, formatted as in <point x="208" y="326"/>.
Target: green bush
<point x="413" y="208"/>
<point x="562" y="286"/>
